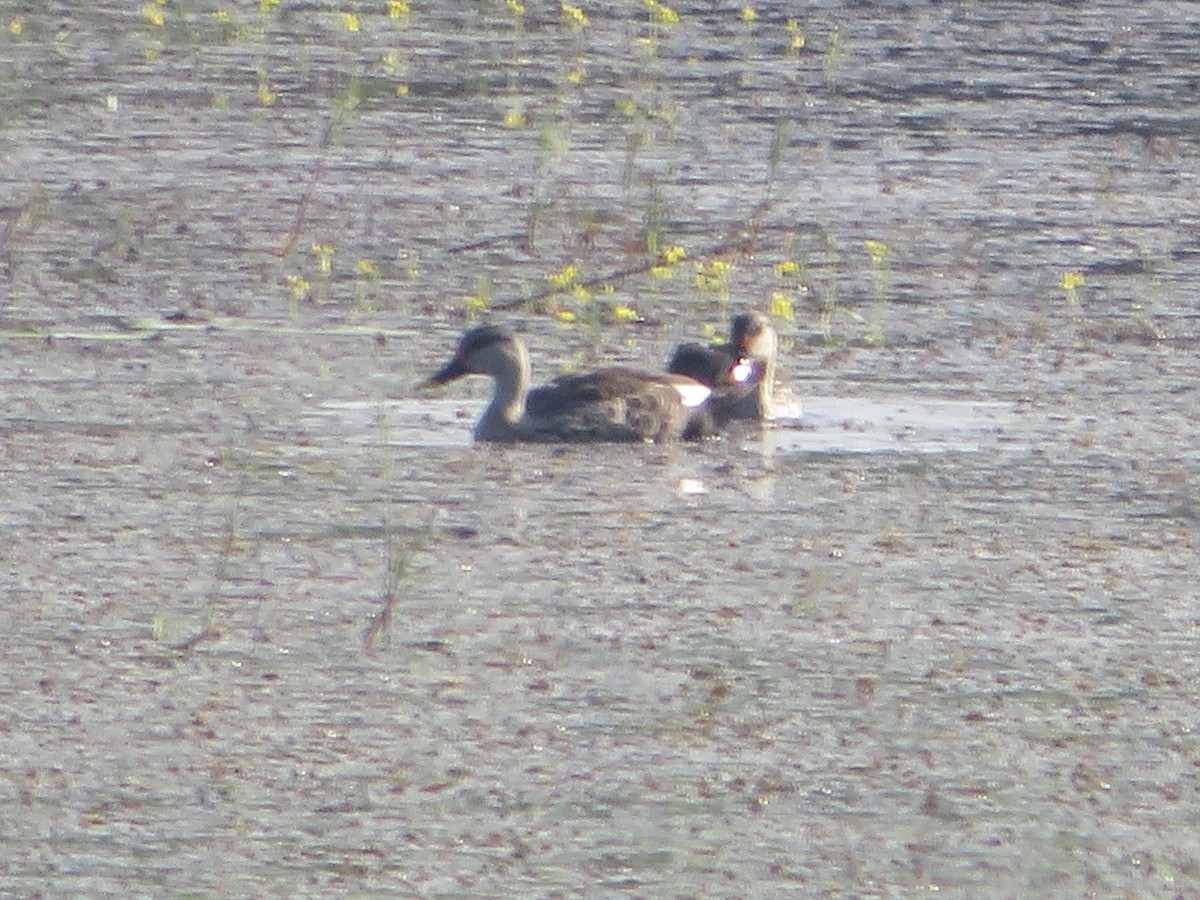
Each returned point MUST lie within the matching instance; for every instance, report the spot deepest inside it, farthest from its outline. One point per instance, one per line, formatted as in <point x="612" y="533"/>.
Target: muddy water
<point x="274" y="625"/>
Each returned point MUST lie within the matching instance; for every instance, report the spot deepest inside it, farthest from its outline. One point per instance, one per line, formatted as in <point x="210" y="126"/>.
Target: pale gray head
<point x="487" y="350"/>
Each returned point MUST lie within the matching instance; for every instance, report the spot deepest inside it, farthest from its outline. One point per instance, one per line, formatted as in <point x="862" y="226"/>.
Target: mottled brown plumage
<point x="611" y="404"/>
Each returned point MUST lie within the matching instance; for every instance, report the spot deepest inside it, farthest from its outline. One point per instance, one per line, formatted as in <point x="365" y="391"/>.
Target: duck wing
<point x="613" y="404"/>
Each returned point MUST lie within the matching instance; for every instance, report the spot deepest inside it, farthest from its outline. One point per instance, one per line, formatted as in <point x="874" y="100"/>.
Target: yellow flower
<point x="564" y="278"/>
<point x="660" y="12"/>
<point x="298" y="286"/>
<point x="350" y="22"/>
<point x="14" y="27"/>
<point x="565" y="315"/>
<point x="324" y="255"/>
<point x="1072" y="281"/>
<point x="267" y="5"/>
<point x="402" y="90"/>
<point x="514" y="118"/>
<point x="749" y="15"/>
<point x="516" y="7"/>
<point x="581" y="293"/>
<point x="781" y="306"/>
<point x="575" y="76"/>
<point x="222" y="15"/>
<point x="366" y="267"/>
<point x="476" y="303"/>
<point x="575" y="14"/>
<point x="624" y="313"/>
<point x="154" y="14"/>
<point x="796" y="43"/>
<point x="398" y="9"/>
<point x="787" y="269"/>
<point x="878" y="252"/>
<point x="672" y="255"/>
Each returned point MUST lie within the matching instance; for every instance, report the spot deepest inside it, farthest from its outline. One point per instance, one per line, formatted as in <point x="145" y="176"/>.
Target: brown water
<point x="276" y="628"/>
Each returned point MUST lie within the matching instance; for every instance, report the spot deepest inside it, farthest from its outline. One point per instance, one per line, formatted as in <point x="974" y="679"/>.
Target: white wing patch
<point x="693" y="394"/>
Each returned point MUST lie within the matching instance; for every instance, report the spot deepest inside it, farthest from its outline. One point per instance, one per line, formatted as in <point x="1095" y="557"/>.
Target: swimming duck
<point x="754" y="342"/>
<point x="610" y="404"/>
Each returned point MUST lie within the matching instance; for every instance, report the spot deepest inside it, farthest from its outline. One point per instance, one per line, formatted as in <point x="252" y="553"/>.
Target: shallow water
<point x="276" y="627"/>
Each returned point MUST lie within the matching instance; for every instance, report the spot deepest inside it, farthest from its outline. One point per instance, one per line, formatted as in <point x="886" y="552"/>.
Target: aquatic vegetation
<point x="1071" y="282"/>
<point x="660" y="13"/>
<point x="882" y="275"/>
<point x="574" y="15"/>
<point x="153" y="13"/>
<point x="782" y="306"/>
<point x="712" y="279"/>
<point x="324" y="256"/>
<point x="795" y="36"/>
<point x="366" y="284"/>
<point x="266" y="96"/>
<point x="298" y="287"/>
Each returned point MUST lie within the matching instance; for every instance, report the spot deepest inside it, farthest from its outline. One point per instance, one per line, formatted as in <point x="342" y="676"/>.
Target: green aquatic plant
<point x="574" y="16"/>
<point x="1071" y="283"/>
<point x="480" y="301"/>
<point x="881" y="273"/>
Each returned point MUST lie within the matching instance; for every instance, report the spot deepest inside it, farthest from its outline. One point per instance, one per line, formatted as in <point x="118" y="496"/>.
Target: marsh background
<point x="273" y="627"/>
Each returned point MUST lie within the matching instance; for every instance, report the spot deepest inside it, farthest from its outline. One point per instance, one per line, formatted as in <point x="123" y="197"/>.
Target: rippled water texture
<point x="274" y="627"/>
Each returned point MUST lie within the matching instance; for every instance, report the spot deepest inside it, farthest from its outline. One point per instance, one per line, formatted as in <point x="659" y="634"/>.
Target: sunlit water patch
<point x="829" y="425"/>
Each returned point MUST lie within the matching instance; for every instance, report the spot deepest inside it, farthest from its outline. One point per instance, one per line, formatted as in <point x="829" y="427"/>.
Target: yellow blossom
<point x="749" y="15"/>
<point x="154" y="14"/>
<point x="878" y="251"/>
<point x="564" y="278"/>
<point x="398" y="9"/>
<point x="575" y="14"/>
<point x="781" y="306"/>
<point x="1072" y="281"/>
<point x="350" y="22"/>
<point x="624" y="313"/>
<point x="298" y="286"/>
<point x="787" y="269"/>
<point x="516" y="7"/>
<point x="324" y="255"/>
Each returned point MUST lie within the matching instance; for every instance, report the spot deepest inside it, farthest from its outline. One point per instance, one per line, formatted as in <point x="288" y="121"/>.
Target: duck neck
<point x="501" y="420"/>
<point x="766" y="386"/>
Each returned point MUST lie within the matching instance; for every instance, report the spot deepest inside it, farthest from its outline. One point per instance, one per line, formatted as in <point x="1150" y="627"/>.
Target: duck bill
<point x="452" y="370"/>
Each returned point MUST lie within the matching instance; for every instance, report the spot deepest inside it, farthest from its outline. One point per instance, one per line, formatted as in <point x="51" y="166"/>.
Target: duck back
<point x="612" y="404"/>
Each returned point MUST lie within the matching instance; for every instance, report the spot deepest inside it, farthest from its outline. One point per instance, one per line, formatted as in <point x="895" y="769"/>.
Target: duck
<point x="608" y="404"/>
<point x="741" y="373"/>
